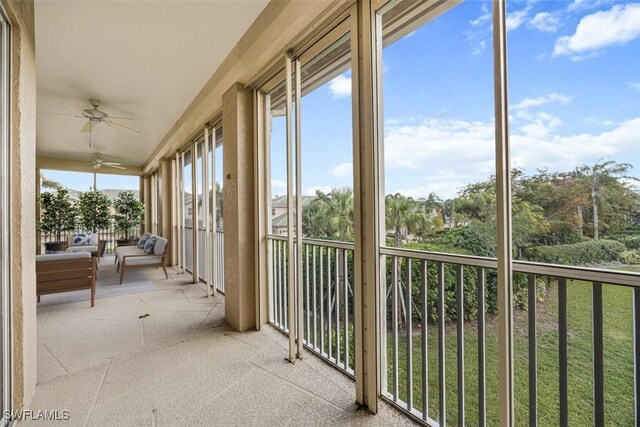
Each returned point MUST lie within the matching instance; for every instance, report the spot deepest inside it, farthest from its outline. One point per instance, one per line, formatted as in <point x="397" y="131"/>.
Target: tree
<point x="129" y="212"/>
<point x="404" y="216"/>
<point x="602" y="178"/>
<point x="93" y="207"/>
<point x="59" y="214"/>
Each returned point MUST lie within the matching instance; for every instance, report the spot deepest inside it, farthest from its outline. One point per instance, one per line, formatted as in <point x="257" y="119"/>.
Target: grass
<point x="618" y="362"/>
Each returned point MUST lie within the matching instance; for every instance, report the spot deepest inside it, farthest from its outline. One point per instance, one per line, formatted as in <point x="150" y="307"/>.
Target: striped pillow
<point x="150" y="244"/>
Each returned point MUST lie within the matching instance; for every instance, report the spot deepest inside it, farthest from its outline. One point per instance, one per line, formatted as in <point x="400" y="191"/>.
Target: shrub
<point x="630" y="257"/>
<point x="631" y="242"/>
<point x="583" y="253"/>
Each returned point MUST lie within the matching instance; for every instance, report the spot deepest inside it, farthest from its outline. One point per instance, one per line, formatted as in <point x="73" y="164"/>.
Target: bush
<point x="631" y="242"/>
<point x="470" y="288"/>
<point x="630" y="257"/>
<point x="583" y="253"/>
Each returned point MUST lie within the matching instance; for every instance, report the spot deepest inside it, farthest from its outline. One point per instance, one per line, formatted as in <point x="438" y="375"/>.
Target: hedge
<point x="583" y="253"/>
<point x="631" y="242"/>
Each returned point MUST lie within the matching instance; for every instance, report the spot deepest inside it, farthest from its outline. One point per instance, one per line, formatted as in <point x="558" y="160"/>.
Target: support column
<point x="239" y="224"/>
<point x="38" y="232"/>
<point x="368" y="208"/>
<point x="145" y="198"/>
<point x="164" y="202"/>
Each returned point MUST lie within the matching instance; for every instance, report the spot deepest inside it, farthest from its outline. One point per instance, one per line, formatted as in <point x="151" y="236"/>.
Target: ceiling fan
<point x="97" y="116"/>
<point x="98" y="162"/>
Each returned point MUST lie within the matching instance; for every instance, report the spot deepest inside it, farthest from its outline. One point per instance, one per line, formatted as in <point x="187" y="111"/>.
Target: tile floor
<point x="181" y="366"/>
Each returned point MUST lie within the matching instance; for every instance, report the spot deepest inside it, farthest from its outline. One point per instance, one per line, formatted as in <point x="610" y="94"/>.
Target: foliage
<point x="631" y="242"/>
<point x="583" y="253"/>
<point x="128" y="213"/>
<point x="630" y="257"/>
<point x="59" y="214"/>
<point x="330" y="216"/>
<point x="93" y="207"/>
<point x="405" y="216"/>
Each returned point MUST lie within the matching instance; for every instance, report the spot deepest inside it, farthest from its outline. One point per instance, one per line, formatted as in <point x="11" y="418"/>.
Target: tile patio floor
<point x="181" y="366"/>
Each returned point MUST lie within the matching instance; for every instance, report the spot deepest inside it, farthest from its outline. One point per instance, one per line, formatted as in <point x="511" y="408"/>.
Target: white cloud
<point x="486" y="17"/>
<point x="616" y="26"/>
<point x="578" y="5"/>
<point x="480" y="48"/>
<point x="527" y="103"/>
<point x="545" y="21"/>
<point x="634" y="85"/>
<point x="340" y="87"/>
<point x="311" y="191"/>
<point x="342" y="170"/>
<point x="443" y="156"/>
<point x="517" y="18"/>
<point x="278" y="186"/>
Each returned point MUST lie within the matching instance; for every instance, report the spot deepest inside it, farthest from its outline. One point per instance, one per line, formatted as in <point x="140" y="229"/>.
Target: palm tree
<point x="341" y="213"/>
<point x="404" y="216"/>
<point x="598" y="177"/>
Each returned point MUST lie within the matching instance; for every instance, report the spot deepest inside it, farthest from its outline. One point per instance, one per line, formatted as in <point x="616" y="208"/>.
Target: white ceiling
<point x="141" y="59"/>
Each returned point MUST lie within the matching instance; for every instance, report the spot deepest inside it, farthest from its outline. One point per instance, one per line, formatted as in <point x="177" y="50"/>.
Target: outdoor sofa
<point x="65" y="272"/>
<point x="150" y="251"/>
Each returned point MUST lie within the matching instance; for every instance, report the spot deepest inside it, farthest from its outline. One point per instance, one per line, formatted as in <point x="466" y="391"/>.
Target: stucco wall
<point x="23" y="187"/>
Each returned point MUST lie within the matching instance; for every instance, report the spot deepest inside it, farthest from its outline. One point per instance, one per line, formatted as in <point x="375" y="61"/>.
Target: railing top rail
<point x="474" y="261"/>
<point x="317" y="242"/>
<point x="276" y="237"/>
<point x="328" y="243"/>
<point x="589" y="274"/>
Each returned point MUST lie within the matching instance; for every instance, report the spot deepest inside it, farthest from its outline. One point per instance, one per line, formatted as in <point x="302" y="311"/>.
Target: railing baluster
<point x="337" y="296"/>
<point x="321" y="301"/>
<point x="636" y="354"/>
<point x="277" y="287"/>
<point x="482" y="385"/>
<point x="329" y="305"/>
<point x="425" y="348"/>
<point x="345" y="282"/>
<point x="441" y="347"/>
<point x="562" y="351"/>
<point x="409" y="336"/>
<point x="315" y="301"/>
<point x="307" y="307"/>
<point x="533" y="353"/>
<point x="598" y="356"/>
<point x="460" y="337"/>
<point x="394" y="322"/>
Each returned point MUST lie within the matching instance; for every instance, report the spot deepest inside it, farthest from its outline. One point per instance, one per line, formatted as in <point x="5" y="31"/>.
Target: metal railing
<point x="327" y="272"/>
<point x="438" y="334"/>
<point x="217" y="265"/>
<point x="449" y="276"/>
<point x="110" y="235"/>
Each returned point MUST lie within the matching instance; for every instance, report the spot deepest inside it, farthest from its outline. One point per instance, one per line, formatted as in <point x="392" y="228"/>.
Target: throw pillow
<point x="81" y="239"/>
<point x="143" y="239"/>
<point x="150" y="243"/>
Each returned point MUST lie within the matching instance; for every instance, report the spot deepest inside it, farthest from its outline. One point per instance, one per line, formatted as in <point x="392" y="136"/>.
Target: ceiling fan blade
<point x="123" y="118"/>
<point x="125" y="128"/>
<point x="114" y="166"/>
<point x="88" y="127"/>
<point x="72" y="106"/>
<point x="59" y="114"/>
<point x="111" y="164"/>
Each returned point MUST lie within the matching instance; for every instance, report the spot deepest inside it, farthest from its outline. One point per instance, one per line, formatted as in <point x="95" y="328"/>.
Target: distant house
<point x="279" y="213"/>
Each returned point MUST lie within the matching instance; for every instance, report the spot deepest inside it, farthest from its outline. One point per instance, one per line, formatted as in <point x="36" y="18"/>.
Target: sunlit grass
<point x="618" y="362"/>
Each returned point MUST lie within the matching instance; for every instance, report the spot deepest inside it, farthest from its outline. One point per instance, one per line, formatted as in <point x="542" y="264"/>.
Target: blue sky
<point x="574" y="87"/>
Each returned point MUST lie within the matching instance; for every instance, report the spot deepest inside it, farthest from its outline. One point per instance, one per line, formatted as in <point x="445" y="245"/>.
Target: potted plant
<point x="128" y="215"/>
<point x="93" y="207"/>
<point x="59" y="214"/>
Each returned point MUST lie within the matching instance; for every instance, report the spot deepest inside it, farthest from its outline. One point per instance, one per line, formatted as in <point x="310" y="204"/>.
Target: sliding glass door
<point x="5" y="296"/>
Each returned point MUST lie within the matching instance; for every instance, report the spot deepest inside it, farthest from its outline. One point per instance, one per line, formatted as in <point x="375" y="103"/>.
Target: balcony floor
<point x="184" y="364"/>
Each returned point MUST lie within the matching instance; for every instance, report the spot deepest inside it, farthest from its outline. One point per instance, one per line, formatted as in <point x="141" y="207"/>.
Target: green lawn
<point x="618" y="362"/>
